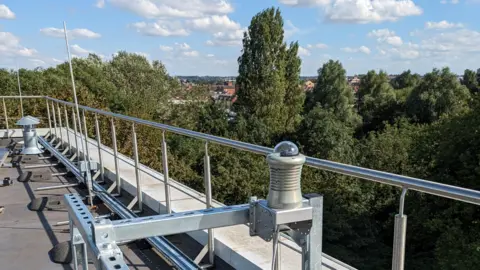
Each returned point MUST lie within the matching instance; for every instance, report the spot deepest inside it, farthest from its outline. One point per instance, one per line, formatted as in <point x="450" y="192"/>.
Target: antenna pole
<point x="19" y="89"/>
<point x="88" y="176"/>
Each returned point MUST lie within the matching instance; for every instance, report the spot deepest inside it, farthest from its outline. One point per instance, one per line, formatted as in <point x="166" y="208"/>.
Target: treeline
<point x="422" y="127"/>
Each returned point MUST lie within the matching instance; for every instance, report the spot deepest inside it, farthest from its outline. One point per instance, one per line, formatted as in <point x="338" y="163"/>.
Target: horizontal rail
<point x="15" y="97"/>
<point x="434" y="188"/>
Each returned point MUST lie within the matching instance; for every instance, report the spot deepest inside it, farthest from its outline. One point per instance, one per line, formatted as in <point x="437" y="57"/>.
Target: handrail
<point x="434" y="188"/>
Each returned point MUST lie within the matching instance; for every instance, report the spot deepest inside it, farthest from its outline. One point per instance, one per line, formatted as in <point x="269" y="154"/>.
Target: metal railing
<point x="404" y="182"/>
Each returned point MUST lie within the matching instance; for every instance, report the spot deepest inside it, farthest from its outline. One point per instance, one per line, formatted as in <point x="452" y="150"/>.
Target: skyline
<point x="203" y="37"/>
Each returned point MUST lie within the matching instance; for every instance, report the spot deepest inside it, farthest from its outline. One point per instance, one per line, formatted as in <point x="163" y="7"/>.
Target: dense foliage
<point x="424" y="127"/>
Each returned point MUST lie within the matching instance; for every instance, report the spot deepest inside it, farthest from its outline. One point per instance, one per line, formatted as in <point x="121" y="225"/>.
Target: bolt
<point x="105" y="235"/>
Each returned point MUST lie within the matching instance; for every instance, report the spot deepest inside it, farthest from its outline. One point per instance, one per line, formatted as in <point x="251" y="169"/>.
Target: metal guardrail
<point x="404" y="182"/>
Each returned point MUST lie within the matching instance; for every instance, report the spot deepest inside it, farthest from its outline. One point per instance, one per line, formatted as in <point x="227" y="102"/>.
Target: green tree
<point x="261" y="71"/>
<point x="333" y="93"/>
<point x="437" y="95"/>
<point x="377" y="100"/>
<point x="470" y="80"/>
<point x="294" y="94"/>
<point x="406" y="79"/>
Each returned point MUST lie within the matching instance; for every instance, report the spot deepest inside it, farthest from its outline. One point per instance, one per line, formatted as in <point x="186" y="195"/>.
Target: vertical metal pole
<point x="54" y="123"/>
<point x="312" y="247"/>
<point x="399" y="236"/>
<point x="208" y="202"/>
<point x="99" y="145"/>
<point x="87" y="150"/>
<point x="86" y="158"/>
<point x="85" y="257"/>
<point x="49" y="119"/>
<point x="68" y="129"/>
<point x="137" y="171"/>
<point x="88" y="176"/>
<point x="19" y="89"/>
<point x="75" y="133"/>
<point x="5" y="114"/>
<point x="115" y="157"/>
<point x="165" y="174"/>
<point x="60" y="124"/>
<point x="74" y="246"/>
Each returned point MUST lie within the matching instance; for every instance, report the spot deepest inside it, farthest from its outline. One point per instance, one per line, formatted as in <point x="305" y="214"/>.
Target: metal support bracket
<point x="264" y="220"/>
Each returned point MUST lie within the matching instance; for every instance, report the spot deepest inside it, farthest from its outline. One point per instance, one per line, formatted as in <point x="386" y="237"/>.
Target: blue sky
<point x="203" y="37"/>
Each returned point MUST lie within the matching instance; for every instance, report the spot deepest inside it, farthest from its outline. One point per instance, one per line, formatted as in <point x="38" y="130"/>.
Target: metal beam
<point x="169" y="224"/>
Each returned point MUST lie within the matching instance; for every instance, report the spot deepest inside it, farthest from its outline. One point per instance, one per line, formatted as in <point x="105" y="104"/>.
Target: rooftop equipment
<point x="30" y="139"/>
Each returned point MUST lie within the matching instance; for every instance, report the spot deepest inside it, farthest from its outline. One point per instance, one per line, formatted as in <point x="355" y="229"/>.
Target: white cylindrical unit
<point x="285" y="174"/>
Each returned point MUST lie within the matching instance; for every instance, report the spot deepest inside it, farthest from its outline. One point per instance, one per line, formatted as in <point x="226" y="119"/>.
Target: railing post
<point x="165" y="174"/>
<point x="99" y="145"/>
<point x="54" y="123"/>
<point x="115" y="156"/>
<point x="74" y="118"/>
<point x="60" y="123"/>
<point x="86" y="158"/>
<point x="137" y="172"/>
<point x="399" y="237"/>
<point x="87" y="151"/>
<point x="5" y="114"/>
<point x="49" y="119"/>
<point x="68" y="129"/>
<point x="208" y="202"/>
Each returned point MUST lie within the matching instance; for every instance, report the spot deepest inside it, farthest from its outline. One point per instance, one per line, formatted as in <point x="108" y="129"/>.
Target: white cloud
<point x="26" y="52"/>
<point x="290" y="29"/>
<point x="74" y="33"/>
<point x="6" y="13"/>
<point x="191" y="53"/>
<point x="362" y="49"/>
<point x="174" y="8"/>
<point x="321" y="46"/>
<point x="37" y="62"/>
<point x="210" y="55"/>
<point x="100" y="4"/>
<point x="220" y="62"/>
<point x="408" y="51"/>
<point x="460" y="41"/>
<point x="160" y="28"/>
<point x="182" y="46"/>
<point x="76" y="49"/>
<point x="361" y="11"/>
<point x="386" y="36"/>
<point x="10" y="46"/>
<point x="166" y="48"/>
<point x="303" y="52"/>
<point x="232" y="38"/>
<point x="370" y="11"/>
<point x="146" y="55"/>
<point x="442" y="25"/>
<point x="55" y="60"/>
<point x="213" y="23"/>
<point x="305" y="3"/>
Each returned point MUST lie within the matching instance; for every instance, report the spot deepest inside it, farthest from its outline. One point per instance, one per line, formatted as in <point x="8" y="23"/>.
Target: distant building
<point x="354" y="82"/>
<point x="308" y="86"/>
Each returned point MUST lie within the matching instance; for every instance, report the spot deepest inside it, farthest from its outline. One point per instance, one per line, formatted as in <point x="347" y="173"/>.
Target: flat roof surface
<point x="26" y="236"/>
